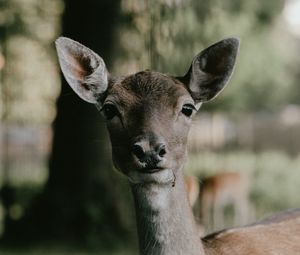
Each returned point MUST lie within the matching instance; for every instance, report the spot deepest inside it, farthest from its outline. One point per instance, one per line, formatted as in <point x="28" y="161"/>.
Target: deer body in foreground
<point x="148" y="117"/>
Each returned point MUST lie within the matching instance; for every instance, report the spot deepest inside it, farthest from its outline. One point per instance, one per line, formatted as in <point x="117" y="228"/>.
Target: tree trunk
<point x="80" y="201"/>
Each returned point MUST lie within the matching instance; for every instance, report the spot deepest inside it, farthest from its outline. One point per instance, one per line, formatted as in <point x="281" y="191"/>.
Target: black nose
<point x="151" y="155"/>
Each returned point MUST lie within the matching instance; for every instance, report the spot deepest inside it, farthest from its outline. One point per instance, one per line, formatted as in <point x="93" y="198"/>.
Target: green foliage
<point x="165" y="35"/>
<point x="30" y="76"/>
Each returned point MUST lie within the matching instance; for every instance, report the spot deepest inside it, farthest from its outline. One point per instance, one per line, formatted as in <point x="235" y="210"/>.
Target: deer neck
<point x="164" y="220"/>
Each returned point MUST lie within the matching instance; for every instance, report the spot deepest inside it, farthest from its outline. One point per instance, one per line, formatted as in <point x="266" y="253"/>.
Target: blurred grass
<point x="44" y="252"/>
<point x="63" y="251"/>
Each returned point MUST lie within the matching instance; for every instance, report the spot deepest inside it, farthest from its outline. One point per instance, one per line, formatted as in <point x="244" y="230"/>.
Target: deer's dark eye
<point x="109" y="111"/>
<point x="188" y="109"/>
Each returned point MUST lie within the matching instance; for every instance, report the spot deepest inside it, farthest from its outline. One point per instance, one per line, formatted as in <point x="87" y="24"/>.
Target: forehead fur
<point x="147" y="85"/>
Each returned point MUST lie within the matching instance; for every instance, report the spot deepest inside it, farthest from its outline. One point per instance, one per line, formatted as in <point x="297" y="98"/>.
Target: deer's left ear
<point x="211" y="70"/>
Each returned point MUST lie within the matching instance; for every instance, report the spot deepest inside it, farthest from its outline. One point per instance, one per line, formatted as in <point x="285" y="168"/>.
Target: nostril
<point x="161" y="150"/>
<point x="138" y="151"/>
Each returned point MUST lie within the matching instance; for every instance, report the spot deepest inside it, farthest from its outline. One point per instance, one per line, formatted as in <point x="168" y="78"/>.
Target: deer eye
<point x="188" y="109"/>
<point x="109" y="111"/>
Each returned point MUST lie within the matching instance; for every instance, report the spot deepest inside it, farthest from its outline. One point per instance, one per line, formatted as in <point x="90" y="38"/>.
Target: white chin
<point x="165" y="176"/>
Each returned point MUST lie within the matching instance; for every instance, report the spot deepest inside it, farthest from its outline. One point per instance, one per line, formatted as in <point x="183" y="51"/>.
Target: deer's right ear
<point x="211" y="70"/>
<point x="84" y="70"/>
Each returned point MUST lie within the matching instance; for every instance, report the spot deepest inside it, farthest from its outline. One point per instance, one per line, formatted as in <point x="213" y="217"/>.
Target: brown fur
<point x="276" y="235"/>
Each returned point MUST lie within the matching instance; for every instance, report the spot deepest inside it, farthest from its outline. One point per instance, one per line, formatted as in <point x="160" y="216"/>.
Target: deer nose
<point x="151" y="155"/>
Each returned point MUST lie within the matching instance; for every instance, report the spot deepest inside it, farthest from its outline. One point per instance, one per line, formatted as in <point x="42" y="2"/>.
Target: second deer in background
<point x="210" y="197"/>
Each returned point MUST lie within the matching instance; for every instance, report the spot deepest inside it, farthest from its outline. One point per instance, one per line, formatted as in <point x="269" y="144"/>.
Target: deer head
<point x="148" y="113"/>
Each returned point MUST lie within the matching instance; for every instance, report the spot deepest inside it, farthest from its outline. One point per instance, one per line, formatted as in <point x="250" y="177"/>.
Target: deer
<point x="193" y="192"/>
<point x="219" y="190"/>
<point x="210" y="196"/>
<point x="148" y="115"/>
<point x="192" y="189"/>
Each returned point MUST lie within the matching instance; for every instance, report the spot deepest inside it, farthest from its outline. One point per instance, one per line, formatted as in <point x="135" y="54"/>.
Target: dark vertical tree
<point x="78" y="194"/>
<point x="79" y="201"/>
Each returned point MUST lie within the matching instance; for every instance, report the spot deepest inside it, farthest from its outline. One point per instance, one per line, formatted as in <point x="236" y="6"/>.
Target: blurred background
<point x="59" y="193"/>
